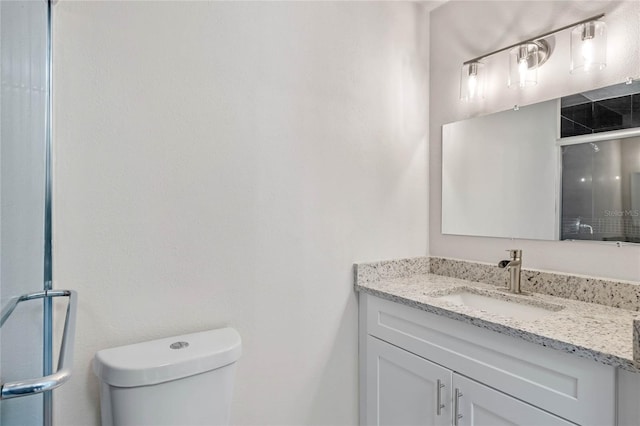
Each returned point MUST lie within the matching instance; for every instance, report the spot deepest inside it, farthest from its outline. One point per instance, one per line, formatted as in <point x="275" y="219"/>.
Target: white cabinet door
<point x="479" y="405"/>
<point x="404" y="389"/>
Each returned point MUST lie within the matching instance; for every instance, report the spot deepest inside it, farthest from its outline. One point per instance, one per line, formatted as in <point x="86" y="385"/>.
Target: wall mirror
<point x="565" y="169"/>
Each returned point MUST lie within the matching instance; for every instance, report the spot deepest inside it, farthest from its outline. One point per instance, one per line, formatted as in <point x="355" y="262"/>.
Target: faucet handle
<point x="515" y="253"/>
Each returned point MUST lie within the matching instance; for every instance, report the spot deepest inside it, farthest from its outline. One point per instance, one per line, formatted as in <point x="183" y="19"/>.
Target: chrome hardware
<point x="65" y="360"/>
<point x="456" y="407"/>
<point x="580" y="226"/>
<point x="439" y="404"/>
<point x="537" y="38"/>
<point x="513" y="265"/>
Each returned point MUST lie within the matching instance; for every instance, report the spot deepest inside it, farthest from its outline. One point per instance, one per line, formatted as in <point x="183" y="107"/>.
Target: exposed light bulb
<point x="472" y="84"/>
<point x="523" y="61"/>
<point x="588" y="47"/>
<point x="523" y="68"/>
<point x="587" y="53"/>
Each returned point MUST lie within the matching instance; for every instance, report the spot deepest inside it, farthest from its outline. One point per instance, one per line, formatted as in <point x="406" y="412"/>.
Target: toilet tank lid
<point x="167" y="359"/>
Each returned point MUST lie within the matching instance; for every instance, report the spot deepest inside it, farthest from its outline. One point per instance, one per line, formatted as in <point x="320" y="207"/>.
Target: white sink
<point x="509" y="308"/>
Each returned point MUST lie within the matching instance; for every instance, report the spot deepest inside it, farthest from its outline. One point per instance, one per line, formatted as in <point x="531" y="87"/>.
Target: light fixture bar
<point x="538" y="37"/>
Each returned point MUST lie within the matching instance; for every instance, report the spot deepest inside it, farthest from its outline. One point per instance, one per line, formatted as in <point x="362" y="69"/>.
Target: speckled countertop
<point x="601" y="333"/>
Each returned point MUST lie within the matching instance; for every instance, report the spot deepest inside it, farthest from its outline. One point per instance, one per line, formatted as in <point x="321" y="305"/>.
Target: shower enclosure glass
<point x="25" y="243"/>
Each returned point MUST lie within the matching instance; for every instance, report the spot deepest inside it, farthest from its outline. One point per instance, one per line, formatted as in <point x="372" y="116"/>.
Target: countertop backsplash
<point x="617" y="294"/>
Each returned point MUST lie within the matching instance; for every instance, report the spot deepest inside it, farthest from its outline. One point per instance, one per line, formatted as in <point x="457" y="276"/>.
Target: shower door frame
<point x="47" y="358"/>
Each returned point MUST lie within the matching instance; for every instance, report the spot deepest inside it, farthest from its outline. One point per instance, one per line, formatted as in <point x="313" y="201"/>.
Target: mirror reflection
<point x="601" y="191"/>
<point x="563" y="169"/>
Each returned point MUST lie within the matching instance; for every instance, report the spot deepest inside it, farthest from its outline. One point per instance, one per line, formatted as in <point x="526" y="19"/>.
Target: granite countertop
<point x="602" y="333"/>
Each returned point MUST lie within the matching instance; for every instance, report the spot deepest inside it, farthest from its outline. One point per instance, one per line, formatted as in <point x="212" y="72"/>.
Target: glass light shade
<point x="588" y="47"/>
<point x="523" y="65"/>
<point x="472" y="82"/>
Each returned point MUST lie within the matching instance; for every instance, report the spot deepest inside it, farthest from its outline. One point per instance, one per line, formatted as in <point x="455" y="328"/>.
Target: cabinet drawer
<point x="577" y="389"/>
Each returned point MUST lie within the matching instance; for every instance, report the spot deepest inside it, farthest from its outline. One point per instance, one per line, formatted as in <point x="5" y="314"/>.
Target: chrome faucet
<point x="513" y="265"/>
<point x="580" y="226"/>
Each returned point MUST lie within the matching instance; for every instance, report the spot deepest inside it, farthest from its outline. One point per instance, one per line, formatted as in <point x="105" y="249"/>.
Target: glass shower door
<point x="24" y="225"/>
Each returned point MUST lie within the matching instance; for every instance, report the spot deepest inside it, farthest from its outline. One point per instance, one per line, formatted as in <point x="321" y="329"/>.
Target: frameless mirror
<point x="567" y="168"/>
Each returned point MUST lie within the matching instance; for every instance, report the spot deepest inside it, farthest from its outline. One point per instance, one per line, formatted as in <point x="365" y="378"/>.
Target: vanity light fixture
<point x="588" y="47"/>
<point x="524" y="61"/>
<point x="525" y="57"/>
<point x="472" y="81"/>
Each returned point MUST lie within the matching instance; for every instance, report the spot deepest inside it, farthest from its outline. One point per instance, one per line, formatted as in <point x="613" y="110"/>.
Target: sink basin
<point x="515" y="309"/>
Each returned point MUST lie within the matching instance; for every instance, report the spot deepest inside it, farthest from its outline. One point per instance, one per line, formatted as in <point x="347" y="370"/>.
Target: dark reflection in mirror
<point x="601" y="191"/>
<point x="602" y="110"/>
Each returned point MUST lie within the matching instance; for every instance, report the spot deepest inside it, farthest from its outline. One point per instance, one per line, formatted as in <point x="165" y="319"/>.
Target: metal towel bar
<point x="65" y="361"/>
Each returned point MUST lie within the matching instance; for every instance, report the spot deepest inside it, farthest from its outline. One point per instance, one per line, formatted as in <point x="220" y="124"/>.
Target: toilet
<point x="181" y="380"/>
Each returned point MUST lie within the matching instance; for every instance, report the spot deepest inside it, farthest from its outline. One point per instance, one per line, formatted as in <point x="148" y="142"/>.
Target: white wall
<point x="463" y="30"/>
<point x="225" y="163"/>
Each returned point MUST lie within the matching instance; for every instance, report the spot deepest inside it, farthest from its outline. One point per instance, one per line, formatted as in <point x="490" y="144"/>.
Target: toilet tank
<point x="180" y="380"/>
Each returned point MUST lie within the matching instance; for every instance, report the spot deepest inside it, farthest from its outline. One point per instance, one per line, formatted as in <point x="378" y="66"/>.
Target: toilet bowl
<point x="182" y="380"/>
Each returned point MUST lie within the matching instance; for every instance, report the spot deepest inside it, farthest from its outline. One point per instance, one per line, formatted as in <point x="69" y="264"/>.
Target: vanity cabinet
<point x="405" y="389"/>
<point x="411" y="359"/>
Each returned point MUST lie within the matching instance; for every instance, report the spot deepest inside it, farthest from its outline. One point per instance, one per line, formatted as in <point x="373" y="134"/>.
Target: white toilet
<point x="182" y="380"/>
